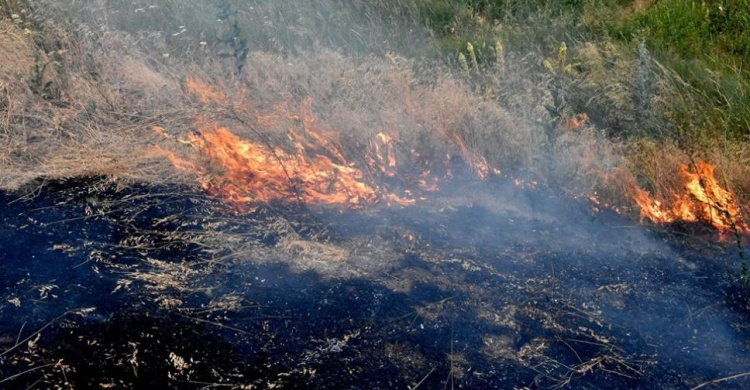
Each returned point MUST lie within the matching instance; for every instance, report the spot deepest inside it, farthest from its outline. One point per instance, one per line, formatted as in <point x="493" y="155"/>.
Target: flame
<point x="428" y="182"/>
<point x="312" y="167"/>
<point x="314" y="171"/>
<point x="241" y="171"/>
<point x="703" y="199"/>
<point x="384" y="158"/>
<point x="525" y="184"/>
<point x="597" y="205"/>
<point x="575" y="122"/>
<point x="207" y="93"/>
<point x="477" y="162"/>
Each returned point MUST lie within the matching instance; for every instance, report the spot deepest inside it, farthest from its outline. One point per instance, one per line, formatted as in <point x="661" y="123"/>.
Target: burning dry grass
<point x="362" y="130"/>
<point x="682" y="188"/>
<point x="323" y="127"/>
<point x="339" y="137"/>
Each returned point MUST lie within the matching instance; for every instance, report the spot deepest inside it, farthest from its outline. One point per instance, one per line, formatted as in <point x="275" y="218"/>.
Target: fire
<point x="428" y="182"/>
<point x="477" y="162"/>
<point x="312" y="167"/>
<point x="207" y="93"/>
<point x="525" y="184"/>
<point x="597" y="205"/>
<point x="575" y="122"/>
<point x="383" y="158"/>
<point x="703" y="199"/>
<point x="313" y="170"/>
<point x="241" y="171"/>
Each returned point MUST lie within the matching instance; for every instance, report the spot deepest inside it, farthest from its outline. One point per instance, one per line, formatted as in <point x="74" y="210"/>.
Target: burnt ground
<point x="485" y="286"/>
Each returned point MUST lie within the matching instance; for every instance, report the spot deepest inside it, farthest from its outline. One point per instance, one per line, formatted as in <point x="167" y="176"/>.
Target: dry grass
<point x="109" y="88"/>
<point x="117" y="86"/>
<point x="16" y="54"/>
<point x="426" y="109"/>
<point x="95" y="121"/>
<point x="734" y="161"/>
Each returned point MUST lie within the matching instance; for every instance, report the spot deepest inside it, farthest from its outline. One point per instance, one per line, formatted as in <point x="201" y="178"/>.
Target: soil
<point x="483" y="286"/>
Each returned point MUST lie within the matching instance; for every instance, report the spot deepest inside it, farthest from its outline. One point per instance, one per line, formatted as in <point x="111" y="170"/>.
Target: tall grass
<point x="707" y="44"/>
<point x="119" y="65"/>
<point x="674" y="73"/>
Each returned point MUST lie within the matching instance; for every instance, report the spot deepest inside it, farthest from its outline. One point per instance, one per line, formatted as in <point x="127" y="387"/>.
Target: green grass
<point x="706" y="30"/>
<point x="707" y="44"/>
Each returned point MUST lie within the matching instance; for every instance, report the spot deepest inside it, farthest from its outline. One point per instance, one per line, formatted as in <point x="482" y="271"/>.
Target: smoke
<point x="367" y="67"/>
<point x="499" y="253"/>
<point x="231" y="27"/>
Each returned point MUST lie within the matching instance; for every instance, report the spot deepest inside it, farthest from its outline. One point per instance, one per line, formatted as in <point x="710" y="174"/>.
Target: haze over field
<point x="404" y="194"/>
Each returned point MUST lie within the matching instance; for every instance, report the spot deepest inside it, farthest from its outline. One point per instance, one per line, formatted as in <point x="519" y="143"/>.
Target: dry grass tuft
<point x="16" y="55"/>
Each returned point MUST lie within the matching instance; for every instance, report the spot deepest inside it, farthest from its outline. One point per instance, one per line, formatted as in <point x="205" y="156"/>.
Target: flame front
<point x="241" y="171"/>
<point x="311" y="167"/>
<point x="703" y="199"/>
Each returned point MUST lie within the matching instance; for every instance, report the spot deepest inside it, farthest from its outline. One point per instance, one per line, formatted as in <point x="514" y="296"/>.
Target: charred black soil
<point x="486" y="286"/>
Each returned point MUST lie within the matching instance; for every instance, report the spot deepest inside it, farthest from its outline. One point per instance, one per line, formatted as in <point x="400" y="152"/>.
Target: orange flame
<point x="477" y="162"/>
<point x="207" y="93"/>
<point x="703" y="199"/>
<point x="575" y="122"/>
<point x="313" y="168"/>
<point x="242" y="171"/>
<point x="384" y="158"/>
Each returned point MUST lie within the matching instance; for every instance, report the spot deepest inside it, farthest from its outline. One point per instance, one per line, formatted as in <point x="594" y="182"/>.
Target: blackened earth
<point x="485" y="286"/>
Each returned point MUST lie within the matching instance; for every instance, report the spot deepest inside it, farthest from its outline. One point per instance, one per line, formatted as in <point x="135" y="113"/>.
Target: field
<point x="482" y="194"/>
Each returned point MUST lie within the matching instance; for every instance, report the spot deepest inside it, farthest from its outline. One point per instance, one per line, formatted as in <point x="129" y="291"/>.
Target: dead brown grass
<point x="111" y="89"/>
<point x="82" y="109"/>
<point x="15" y="53"/>
<point x="106" y="127"/>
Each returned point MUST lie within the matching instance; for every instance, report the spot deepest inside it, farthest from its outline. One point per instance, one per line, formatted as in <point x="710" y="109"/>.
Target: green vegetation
<point x="705" y="30"/>
<point x="705" y="44"/>
<point x="671" y="72"/>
